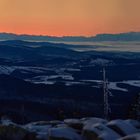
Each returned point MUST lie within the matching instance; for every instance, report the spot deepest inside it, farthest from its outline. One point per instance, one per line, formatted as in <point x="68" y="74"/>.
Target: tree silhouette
<point x="135" y="108"/>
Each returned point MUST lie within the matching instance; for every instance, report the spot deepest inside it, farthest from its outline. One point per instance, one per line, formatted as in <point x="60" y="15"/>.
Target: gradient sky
<point x="69" y="17"/>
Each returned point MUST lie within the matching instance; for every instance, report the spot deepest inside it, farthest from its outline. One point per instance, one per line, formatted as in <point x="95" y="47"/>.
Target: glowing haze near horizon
<point x="69" y="17"/>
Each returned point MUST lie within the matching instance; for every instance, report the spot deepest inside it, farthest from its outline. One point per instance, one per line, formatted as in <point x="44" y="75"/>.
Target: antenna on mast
<point x="106" y="95"/>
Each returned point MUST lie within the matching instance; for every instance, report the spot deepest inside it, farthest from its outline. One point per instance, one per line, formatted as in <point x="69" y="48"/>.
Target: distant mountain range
<point x="130" y="36"/>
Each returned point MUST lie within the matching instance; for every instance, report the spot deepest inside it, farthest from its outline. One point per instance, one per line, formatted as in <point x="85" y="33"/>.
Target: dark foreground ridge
<point x="71" y="129"/>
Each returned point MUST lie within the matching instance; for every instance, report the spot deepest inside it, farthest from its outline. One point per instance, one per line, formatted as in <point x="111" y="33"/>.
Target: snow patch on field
<point x="49" y="79"/>
<point x="132" y="82"/>
<point x="99" y="61"/>
<point x="113" y="85"/>
<point x="45" y="78"/>
<point x="6" y="70"/>
<point x="9" y="69"/>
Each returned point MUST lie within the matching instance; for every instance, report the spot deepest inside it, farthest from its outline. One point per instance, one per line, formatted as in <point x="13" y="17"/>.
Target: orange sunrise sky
<point x="69" y="17"/>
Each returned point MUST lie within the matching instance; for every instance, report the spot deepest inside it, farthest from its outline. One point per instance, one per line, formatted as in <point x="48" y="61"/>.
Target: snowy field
<point x="66" y="77"/>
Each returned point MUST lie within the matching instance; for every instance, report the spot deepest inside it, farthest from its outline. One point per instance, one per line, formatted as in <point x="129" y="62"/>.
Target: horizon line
<point x="86" y="36"/>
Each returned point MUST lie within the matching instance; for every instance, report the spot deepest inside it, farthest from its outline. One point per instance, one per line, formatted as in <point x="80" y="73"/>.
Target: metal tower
<point x="106" y="93"/>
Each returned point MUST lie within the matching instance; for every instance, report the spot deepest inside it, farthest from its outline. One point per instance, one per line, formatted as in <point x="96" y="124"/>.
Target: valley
<point x="65" y="82"/>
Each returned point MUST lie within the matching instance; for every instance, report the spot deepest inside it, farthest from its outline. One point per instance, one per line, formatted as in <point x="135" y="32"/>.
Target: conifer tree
<point x="135" y="108"/>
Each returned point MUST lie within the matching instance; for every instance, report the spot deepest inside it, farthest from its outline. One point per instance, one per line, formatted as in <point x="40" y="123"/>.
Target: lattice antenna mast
<point x="106" y="95"/>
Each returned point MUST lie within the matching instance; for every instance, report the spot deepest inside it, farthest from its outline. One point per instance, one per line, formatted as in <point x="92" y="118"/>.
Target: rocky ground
<point x="71" y="129"/>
